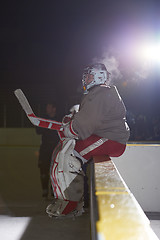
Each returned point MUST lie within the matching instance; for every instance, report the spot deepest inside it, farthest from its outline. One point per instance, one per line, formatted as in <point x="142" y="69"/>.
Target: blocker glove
<point x="68" y="131"/>
<point x="67" y="119"/>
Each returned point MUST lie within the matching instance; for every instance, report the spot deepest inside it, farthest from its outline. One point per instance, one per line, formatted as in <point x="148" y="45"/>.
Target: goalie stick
<point x="36" y="121"/>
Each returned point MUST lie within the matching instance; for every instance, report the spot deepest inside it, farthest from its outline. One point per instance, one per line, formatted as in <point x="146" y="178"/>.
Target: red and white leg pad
<point x="67" y="180"/>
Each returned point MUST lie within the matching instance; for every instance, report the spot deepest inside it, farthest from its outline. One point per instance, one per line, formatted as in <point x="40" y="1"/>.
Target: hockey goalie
<point x="98" y="128"/>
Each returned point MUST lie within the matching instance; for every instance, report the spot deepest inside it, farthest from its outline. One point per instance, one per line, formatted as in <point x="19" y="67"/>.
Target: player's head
<point x="51" y="109"/>
<point x="95" y="74"/>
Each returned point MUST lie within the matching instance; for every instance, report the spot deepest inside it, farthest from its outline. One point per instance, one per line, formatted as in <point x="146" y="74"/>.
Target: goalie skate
<point x="64" y="209"/>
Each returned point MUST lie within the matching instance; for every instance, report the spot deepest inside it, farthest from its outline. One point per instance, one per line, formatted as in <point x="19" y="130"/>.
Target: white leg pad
<point x="66" y="173"/>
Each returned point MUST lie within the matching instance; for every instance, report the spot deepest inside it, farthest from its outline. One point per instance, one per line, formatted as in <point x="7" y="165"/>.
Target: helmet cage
<point x="100" y="77"/>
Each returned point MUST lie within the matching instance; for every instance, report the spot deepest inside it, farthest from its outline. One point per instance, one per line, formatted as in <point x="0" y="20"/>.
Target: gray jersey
<point x="102" y="112"/>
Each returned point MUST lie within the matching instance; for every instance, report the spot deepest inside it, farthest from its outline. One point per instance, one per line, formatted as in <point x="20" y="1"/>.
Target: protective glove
<point x="69" y="131"/>
<point x="67" y="119"/>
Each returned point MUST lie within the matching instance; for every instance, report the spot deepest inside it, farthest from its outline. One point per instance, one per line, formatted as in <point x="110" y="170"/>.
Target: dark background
<point x="46" y="44"/>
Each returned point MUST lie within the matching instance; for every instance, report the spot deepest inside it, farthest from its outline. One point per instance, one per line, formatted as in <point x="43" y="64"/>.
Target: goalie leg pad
<point x="67" y="176"/>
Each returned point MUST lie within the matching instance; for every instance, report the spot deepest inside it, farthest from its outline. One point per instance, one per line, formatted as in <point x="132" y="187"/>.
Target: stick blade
<point x="23" y="101"/>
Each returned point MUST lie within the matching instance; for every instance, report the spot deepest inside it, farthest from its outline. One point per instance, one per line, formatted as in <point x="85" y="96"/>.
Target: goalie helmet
<point x="95" y="74"/>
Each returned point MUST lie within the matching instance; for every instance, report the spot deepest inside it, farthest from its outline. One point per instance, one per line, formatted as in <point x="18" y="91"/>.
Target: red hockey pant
<point x="95" y="145"/>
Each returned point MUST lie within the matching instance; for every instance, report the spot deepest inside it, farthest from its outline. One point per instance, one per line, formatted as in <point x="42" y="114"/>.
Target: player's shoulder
<point x="104" y="89"/>
<point x="99" y="91"/>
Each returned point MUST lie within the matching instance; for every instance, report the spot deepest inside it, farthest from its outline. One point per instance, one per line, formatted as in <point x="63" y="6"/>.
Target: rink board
<point x="119" y="216"/>
<point x="139" y="166"/>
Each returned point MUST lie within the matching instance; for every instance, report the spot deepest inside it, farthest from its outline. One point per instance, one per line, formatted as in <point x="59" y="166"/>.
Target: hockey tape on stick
<point x="37" y="121"/>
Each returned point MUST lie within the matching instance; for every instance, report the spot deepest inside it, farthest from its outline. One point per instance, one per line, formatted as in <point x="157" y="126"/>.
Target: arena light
<point x="150" y="52"/>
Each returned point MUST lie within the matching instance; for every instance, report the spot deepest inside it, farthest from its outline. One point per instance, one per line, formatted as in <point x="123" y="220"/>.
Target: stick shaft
<point x="36" y="121"/>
